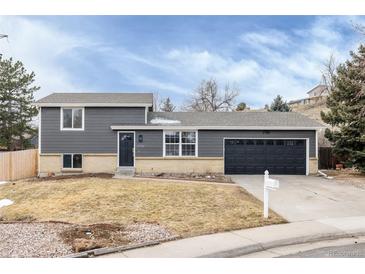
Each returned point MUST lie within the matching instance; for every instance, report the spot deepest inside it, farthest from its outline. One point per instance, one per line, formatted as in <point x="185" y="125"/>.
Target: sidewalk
<point x="240" y="242"/>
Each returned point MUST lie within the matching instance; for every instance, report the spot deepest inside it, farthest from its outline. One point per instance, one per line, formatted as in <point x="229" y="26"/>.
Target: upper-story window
<point x="72" y="118"/>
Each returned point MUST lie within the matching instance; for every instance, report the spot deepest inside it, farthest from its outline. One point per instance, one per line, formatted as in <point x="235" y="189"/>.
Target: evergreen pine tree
<point x="16" y="96"/>
<point x="241" y="106"/>
<point x="279" y="104"/>
<point x="167" y="105"/>
<point x="346" y="114"/>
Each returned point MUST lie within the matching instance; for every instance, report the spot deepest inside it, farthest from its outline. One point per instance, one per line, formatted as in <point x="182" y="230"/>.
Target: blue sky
<point x="262" y="55"/>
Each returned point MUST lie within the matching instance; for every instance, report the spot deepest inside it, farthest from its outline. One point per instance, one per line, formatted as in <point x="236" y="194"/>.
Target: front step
<point x="124" y="172"/>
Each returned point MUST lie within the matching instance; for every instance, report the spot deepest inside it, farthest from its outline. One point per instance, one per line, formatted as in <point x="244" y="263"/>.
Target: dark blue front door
<point x="126" y="145"/>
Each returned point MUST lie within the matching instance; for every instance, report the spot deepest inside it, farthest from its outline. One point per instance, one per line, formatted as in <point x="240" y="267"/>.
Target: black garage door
<point x="247" y="156"/>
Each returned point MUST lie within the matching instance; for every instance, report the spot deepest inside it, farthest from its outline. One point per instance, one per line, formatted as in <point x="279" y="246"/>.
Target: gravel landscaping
<point x="24" y="240"/>
<point x="33" y="240"/>
<point x="141" y="233"/>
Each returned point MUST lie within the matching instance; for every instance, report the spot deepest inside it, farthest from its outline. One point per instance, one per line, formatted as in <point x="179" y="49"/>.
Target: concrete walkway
<point x="241" y="242"/>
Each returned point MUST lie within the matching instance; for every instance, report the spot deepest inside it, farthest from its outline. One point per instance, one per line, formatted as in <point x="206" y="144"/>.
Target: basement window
<point x="72" y="160"/>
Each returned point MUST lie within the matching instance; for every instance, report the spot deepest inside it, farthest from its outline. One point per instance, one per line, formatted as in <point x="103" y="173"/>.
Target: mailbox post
<point x="269" y="184"/>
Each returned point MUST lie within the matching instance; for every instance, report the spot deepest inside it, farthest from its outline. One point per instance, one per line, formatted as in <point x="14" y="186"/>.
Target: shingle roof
<point x="232" y="119"/>
<point x="320" y="86"/>
<point x="97" y="98"/>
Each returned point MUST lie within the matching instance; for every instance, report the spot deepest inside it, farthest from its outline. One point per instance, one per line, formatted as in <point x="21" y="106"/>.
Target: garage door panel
<point x="254" y="156"/>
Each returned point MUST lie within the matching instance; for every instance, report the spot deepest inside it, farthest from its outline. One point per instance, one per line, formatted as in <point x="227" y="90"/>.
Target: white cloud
<point x="39" y="46"/>
<point x="266" y="62"/>
<point x="287" y="63"/>
<point x="195" y="60"/>
<point x="155" y="85"/>
<point x="203" y="64"/>
<point x="267" y="37"/>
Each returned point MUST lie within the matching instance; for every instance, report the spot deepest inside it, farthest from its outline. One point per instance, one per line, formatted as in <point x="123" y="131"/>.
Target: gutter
<point x="91" y="105"/>
<point x="176" y="127"/>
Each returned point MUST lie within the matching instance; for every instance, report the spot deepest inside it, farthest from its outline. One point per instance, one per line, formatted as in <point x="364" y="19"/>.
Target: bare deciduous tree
<point x="328" y="72"/>
<point x="208" y="98"/>
<point x="359" y="28"/>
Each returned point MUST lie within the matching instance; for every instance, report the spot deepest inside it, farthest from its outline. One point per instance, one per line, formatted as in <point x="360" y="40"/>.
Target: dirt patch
<point x="217" y="178"/>
<point x="87" y="237"/>
<point x="82" y="238"/>
<point x="347" y="176"/>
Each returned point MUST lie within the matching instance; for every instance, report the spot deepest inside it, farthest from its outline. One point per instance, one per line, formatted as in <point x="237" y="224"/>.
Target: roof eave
<point x="175" y="127"/>
<point x="92" y="104"/>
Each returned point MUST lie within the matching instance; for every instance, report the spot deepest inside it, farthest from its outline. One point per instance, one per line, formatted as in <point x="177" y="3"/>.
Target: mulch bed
<point x="75" y="176"/>
<point x="213" y="178"/>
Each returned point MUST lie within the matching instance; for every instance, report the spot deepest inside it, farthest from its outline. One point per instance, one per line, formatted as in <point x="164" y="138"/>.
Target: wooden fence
<point x="20" y="164"/>
<point x="326" y="158"/>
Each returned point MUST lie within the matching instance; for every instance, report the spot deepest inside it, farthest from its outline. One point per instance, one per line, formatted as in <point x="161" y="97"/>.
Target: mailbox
<point x="272" y="184"/>
<point x="269" y="184"/>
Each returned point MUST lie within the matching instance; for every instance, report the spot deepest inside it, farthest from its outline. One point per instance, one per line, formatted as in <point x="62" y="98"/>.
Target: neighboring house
<point x="316" y="95"/>
<point x="109" y="132"/>
<point x="312" y="107"/>
<point x="319" y="90"/>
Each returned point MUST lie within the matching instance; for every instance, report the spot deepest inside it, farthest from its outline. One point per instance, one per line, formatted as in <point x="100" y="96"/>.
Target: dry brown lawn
<point x="184" y="208"/>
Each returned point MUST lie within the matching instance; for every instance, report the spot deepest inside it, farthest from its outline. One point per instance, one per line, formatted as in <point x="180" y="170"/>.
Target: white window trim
<point x="72" y="119"/>
<point x="180" y="143"/>
<point x="72" y="161"/>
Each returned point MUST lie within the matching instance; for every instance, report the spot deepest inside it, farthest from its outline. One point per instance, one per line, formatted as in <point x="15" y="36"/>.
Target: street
<point x="344" y="251"/>
<point x="353" y="247"/>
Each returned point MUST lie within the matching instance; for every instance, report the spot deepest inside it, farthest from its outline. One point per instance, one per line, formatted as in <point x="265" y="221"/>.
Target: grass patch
<point x="185" y="209"/>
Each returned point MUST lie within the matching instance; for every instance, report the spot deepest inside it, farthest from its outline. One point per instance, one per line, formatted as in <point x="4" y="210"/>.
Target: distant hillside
<point x="313" y="111"/>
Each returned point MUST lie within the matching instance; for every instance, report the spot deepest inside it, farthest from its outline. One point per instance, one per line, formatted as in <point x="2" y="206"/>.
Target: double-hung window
<point x="180" y="143"/>
<point x="72" y="118"/>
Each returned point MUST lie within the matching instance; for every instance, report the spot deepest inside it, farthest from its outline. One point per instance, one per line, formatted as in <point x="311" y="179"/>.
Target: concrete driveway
<point x="302" y="198"/>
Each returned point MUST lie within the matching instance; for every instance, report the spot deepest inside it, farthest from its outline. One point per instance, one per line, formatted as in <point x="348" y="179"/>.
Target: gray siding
<point x="151" y="145"/>
<point x="97" y="136"/>
<point x="211" y="141"/>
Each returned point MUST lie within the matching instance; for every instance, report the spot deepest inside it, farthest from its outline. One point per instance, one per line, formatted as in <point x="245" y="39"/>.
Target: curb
<point x="107" y="250"/>
<point x="232" y="253"/>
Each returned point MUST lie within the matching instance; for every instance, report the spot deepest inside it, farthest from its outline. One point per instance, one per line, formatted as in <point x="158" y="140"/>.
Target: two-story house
<point x="107" y="132"/>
